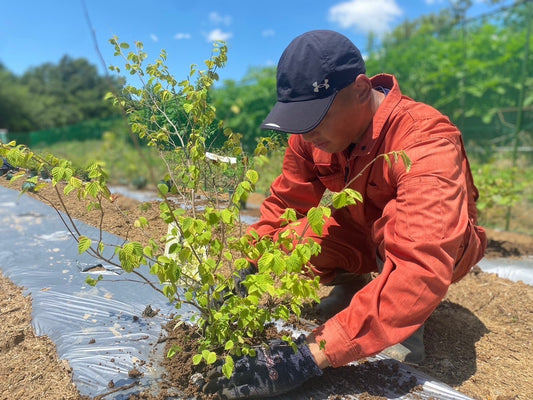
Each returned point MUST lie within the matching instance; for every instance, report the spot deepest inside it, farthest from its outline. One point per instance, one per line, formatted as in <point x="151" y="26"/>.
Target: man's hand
<point x="240" y="289"/>
<point x="243" y="273"/>
<point x="276" y="369"/>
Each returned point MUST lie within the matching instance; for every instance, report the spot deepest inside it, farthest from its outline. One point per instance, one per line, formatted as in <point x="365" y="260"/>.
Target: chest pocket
<point x="329" y="169"/>
<point x="332" y="179"/>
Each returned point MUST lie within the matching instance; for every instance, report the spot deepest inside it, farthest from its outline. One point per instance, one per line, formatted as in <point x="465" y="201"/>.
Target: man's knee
<point x="345" y="286"/>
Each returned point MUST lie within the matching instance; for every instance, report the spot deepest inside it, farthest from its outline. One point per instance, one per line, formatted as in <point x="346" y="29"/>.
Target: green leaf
<point x="211" y="358"/>
<point x="241" y="263"/>
<point x="75" y="182"/>
<point x="355" y="195"/>
<point x="93" y="188"/>
<point x="173" y="350"/>
<point x="187" y="224"/>
<point x="84" y="243"/>
<point x="130" y="256"/>
<point x="278" y="264"/>
<point x="197" y="359"/>
<point x="227" y="368"/>
<point x="252" y="176"/>
<point x="406" y="161"/>
<point x="265" y="261"/>
<point x="58" y="173"/>
<point x="163" y="189"/>
<point x="283" y="312"/>
<point x="142" y="222"/>
<point x="315" y="217"/>
<point x="169" y="292"/>
<point x="92" y="282"/>
<point x="387" y="159"/>
<point x="229" y="345"/>
<point x="289" y="215"/>
<point x="345" y="198"/>
<point x="188" y="107"/>
<point x="227" y="216"/>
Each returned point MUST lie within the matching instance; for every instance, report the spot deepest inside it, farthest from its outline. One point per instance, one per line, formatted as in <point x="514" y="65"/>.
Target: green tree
<point x="468" y="69"/>
<point x="67" y="93"/>
<point x="15" y="99"/>
<point x="244" y="105"/>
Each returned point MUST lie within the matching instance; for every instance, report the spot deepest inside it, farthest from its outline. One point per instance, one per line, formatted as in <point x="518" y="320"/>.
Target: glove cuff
<point x="312" y="367"/>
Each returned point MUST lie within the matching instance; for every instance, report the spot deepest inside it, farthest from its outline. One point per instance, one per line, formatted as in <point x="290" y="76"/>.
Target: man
<point x="416" y="229"/>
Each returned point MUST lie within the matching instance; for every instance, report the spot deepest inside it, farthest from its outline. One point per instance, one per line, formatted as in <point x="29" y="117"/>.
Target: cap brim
<point x="297" y="116"/>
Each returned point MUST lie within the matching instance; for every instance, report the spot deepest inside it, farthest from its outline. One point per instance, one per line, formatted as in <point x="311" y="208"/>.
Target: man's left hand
<point x="274" y="370"/>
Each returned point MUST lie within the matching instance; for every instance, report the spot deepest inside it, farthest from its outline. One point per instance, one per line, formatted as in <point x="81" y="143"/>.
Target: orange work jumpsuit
<point x="419" y="226"/>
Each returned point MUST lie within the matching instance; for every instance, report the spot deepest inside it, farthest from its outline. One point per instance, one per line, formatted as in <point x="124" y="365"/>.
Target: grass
<point x="500" y="189"/>
<point x="123" y="162"/>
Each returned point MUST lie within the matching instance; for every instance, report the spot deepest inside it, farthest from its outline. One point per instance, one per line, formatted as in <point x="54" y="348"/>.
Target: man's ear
<point x="363" y="88"/>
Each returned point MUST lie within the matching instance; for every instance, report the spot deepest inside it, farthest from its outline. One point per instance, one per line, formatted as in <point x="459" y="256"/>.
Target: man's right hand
<point x="276" y="369"/>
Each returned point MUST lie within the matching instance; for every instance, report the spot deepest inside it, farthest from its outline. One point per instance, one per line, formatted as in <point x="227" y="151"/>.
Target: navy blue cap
<point x="311" y="71"/>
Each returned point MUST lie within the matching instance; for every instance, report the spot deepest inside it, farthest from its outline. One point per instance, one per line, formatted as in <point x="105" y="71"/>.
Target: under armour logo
<point x="317" y="86"/>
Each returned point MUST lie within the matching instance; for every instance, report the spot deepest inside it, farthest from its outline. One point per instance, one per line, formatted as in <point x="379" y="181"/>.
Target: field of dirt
<point x="477" y="341"/>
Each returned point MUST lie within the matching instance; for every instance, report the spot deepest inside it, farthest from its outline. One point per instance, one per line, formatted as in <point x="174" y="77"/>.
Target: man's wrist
<point x="318" y="354"/>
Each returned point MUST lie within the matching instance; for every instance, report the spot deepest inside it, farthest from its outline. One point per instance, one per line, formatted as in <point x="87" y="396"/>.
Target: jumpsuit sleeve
<point x="419" y="237"/>
<point x="297" y="187"/>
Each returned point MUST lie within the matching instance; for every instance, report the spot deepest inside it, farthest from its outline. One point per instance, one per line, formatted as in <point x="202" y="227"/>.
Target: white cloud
<point x="218" y="19"/>
<point x="217" y="34"/>
<point x="268" y="33"/>
<point x="181" y="35"/>
<point x="366" y="15"/>
<point x="154" y="37"/>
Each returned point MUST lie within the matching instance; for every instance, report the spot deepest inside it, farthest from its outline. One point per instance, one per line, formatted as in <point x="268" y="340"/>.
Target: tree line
<point x="50" y="95"/>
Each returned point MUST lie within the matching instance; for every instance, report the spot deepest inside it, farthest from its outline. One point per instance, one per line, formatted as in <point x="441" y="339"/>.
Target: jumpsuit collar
<point x="374" y="130"/>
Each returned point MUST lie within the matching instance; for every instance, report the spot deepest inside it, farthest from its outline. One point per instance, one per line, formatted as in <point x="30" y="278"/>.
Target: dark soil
<point x="477" y="341"/>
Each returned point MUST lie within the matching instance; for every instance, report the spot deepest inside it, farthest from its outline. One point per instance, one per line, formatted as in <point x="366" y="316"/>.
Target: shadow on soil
<point x="450" y="339"/>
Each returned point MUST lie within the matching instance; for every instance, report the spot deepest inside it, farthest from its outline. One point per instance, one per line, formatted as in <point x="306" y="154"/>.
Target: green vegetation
<point x="503" y="187"/>
<point x="50" y="96"/>
<point x="205" y="250"/>
<point x="244" y="105"/>
<point x="115" y="153"/>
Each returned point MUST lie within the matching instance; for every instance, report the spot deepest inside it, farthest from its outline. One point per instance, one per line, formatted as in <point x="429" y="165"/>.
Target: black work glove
<point x="240" y="289"/>
<point x="243" y="273"/>
<point x="274" y="370"/>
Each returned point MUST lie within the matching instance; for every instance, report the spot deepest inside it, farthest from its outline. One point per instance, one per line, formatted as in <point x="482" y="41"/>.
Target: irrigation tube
<point x="101" y="331"/>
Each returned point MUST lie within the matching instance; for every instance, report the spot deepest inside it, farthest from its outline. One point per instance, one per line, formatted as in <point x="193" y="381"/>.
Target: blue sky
<point x="33" y="32"/>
